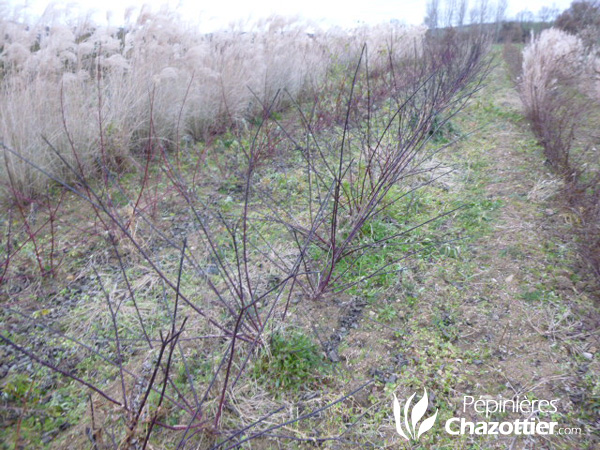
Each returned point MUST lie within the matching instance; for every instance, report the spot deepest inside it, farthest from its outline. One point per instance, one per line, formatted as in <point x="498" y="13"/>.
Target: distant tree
<point x="483" y="10"/>
<point x="501" y="7"/>
<point x="525" y="16"/>
<point x="500" y="16"/>
<point x="449" y="13"/>
<point x="580" y="15"/>
<point x="513" y="32"/>
<point x="461" y="12"/>
<point x="432" y="14"/>
<point x="479" y="13"/>
<point x="547" y="14"/>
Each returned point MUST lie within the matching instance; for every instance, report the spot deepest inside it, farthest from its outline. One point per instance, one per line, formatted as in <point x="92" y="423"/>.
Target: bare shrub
<point x="374" y="163"/>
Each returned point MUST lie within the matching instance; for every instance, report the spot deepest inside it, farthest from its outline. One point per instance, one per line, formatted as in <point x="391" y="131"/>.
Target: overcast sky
<point x="219" y="13"/>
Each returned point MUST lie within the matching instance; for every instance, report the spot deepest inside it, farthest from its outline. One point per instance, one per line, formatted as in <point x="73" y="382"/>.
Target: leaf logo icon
<point x="417" y="413"/>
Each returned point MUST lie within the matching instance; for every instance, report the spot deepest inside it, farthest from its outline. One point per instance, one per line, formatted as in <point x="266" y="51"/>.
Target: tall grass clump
<point x="549" y="86"/>
<point x="103" y="90"/>
<point x="559" y="91"/>
<point x="97" y="93"/>
<point x="386" y="42"/>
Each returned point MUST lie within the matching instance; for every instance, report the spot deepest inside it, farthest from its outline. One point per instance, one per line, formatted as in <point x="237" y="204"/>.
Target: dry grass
<point x="99" y="93"/>
<point x="545" y="188"/>
<point x="559" y="89"/>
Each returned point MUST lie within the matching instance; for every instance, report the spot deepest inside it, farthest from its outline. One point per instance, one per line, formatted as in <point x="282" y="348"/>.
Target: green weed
<point x="293" y="361"/>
